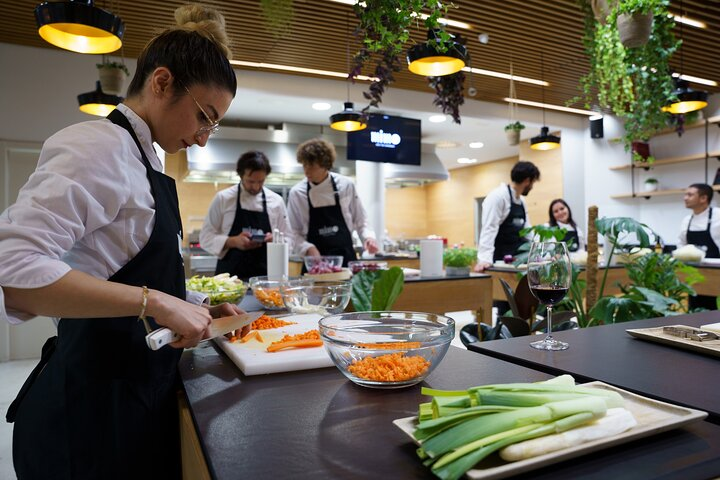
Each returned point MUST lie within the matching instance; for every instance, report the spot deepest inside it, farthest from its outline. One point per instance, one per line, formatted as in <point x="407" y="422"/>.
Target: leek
<point x="460" y="428"/>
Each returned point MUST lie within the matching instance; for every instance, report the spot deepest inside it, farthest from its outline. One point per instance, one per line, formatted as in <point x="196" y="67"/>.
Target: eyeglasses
<point x="212" y="127"/>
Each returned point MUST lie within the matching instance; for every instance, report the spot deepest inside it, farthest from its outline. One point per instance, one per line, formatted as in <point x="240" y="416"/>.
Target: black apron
<point x="105" y="405"/>
<point x="572" y="240"/>
<point x="703" y="238"/>
<point x="327" y="229"/>
<point x="508" y="238"/>
<point x="246" y="263"/>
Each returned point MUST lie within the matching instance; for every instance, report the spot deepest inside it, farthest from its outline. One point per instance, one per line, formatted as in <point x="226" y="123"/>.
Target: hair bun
<point x="205" y="21"/>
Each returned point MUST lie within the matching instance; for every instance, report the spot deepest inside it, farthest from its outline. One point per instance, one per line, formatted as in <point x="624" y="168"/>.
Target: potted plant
<point x="512" y="131"/>
<point x="383" y="31"/>
<point x="458" y="260"/>
<point x="112" y="76"/>
<point x="634" y="83"/>
<point x="651" y="184"/>
<point x="634" y="20"/>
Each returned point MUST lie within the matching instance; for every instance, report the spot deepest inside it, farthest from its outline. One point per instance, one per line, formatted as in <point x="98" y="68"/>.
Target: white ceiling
<point x="276" y="98"/>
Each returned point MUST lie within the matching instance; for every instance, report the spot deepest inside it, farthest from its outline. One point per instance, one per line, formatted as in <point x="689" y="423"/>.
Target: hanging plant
<point x="449" y="93"/>
<point x="634" y="83"/>
<point x="383" y="31"/>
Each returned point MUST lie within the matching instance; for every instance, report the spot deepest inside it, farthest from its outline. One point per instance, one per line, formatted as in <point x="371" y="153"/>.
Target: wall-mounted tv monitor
<point x="386" y="139"/>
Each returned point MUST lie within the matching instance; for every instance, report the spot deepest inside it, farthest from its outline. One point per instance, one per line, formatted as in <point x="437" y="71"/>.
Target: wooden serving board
<point x="252" y="357"/>
<point x="656" y="334"/>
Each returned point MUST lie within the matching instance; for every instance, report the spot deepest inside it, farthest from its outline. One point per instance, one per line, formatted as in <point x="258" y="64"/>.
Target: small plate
<point x="652" y="417"/>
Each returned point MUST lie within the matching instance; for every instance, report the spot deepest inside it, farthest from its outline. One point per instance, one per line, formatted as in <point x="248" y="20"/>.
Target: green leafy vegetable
<point x="376" y="290"/>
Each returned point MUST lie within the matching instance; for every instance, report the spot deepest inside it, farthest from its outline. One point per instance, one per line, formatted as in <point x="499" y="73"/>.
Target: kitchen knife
<point x="219" y="326"/>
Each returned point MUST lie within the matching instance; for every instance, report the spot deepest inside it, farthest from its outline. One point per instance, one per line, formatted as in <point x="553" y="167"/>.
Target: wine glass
<point x="549" y="274"/>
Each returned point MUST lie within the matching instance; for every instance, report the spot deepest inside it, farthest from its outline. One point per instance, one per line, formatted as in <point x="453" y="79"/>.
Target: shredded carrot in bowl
<point x="393" y="367"/>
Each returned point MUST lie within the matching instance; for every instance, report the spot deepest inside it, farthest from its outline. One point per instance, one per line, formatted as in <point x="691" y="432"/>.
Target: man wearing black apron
<point x="325" y="209"/>
<point x="118" y="395"/>
<point x="504" y="216"/>
<point x="241" y="220"/>
<point x="701" y="232"/>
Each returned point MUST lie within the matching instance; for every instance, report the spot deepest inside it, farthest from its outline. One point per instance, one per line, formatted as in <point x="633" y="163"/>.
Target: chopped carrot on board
<point x="311" y="338"/>
<point x="267" y="322"/>
<point x="393" y="367"/>
<point x="249" y="336"/>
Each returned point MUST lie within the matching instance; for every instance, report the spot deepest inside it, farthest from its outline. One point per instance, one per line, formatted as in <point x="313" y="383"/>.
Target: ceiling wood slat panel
<point x="317" y="38"/>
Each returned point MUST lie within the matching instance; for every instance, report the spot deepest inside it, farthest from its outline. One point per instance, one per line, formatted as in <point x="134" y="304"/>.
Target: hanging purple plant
<point x="449" y="93"/>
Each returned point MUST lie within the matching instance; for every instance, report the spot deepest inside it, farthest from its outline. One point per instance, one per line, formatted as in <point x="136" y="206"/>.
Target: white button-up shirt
<point x="88" y="206"/>
<point x="221" y="215"/>
<point x="495" y="209"/>
<point x="322" y="195"/>
<point x="699" y="223"/>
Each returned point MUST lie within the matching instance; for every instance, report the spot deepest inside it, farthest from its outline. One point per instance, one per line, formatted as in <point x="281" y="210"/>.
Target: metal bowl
<point x="387" y="349"/>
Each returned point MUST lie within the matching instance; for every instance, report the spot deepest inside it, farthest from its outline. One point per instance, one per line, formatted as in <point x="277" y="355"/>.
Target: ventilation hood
<point x="216" y="162"/>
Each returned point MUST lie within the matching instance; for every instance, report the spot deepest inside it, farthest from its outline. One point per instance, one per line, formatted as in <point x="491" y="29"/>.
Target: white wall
<point x="662" y="213"/>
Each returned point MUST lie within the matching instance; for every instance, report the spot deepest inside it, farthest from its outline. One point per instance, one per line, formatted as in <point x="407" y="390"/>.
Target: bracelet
<point x="145" y="294"/>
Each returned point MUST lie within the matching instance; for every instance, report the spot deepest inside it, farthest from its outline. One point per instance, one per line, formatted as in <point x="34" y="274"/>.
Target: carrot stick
<point x="294" y="344"/>
<point x="259" y="337"/>
<point x="250" y="335"/>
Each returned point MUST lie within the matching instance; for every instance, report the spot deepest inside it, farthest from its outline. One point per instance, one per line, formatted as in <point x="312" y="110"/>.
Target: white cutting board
<point x="253" y="358"/>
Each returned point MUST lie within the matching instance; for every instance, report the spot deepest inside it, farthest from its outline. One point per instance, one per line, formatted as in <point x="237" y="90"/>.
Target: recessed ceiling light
<point x="465" y="160"/>
<point x="437" y="118"/>
<point x="549" y="106"/>
<point x="690" y="78"/>
<point x="688" y="21"/>
<point x="476" y="145"/>
<point x="446" y="144"/>
<point x="290" y="68"/>
<point x="321" y="106"/>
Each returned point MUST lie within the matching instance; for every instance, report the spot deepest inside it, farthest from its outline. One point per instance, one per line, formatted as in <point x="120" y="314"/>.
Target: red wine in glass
<point x="548" y="294"/>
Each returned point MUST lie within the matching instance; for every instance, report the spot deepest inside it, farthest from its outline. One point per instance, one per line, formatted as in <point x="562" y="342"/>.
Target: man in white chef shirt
<point x="504" y="214"/>
<point x="228" y="231"/>
<point x="323" y="219"/>
<point x="702" y="229"/>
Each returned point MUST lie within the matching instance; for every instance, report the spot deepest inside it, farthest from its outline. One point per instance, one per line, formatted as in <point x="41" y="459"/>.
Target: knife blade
<point x="219" y="326"/>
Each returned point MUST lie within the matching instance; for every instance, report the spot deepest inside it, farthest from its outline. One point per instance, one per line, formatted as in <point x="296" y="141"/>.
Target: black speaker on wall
<point x="596" y="127"/>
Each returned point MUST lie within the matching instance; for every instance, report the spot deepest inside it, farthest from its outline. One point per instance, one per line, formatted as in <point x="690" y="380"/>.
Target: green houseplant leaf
<point x="376" y="290"/>
<point x="387" y="288"/>
<point x="459" y="257"/>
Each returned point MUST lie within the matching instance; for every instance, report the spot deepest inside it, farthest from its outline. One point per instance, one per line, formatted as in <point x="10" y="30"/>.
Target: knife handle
<point x="160" y="337"/>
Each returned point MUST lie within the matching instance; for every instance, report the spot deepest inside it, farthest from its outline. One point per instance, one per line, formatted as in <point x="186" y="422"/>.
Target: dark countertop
<point x="316" y="424"/>
<point x="610" y="354"/>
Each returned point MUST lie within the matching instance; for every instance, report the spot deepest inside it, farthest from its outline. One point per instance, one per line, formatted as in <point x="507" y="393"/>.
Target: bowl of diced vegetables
<point x="324" y="298"/>
<point x="370" y="265"/>
<point x="221" y="288"/>
<point x="387" y="349"/>
<point x="267" y="290"/>
<point x="316" y="265"/>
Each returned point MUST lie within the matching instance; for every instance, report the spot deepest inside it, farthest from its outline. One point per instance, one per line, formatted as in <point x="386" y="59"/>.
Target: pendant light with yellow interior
<point x="688" y="100"/>
<point x="348" y="120"/>
<point x="79" y="26"/>
<point x="427" y="60"/>
<point x="544" y="141"/>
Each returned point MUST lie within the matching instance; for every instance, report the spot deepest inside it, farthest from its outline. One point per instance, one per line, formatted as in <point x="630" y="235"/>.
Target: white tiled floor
<point x="13" y="374"/>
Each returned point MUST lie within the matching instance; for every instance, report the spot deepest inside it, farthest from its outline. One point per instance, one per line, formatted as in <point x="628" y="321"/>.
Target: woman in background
<point x="94" y="241"/>
<point x="561" y="216"/>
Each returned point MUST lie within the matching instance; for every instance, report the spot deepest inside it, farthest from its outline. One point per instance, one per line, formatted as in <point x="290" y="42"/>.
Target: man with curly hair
<point x="324" y="209"/>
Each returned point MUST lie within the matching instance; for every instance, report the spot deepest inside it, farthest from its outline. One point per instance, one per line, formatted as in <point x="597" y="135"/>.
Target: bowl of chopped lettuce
<point x="221" y="288"/>
<point x="387" y="349"/>
<point x="324" y="298"/>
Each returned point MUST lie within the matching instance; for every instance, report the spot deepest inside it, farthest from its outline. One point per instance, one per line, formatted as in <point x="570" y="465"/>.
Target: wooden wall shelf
<point x="657" y="193"/>
<point x="667" y="161"/>
<point x="700" y="123"/>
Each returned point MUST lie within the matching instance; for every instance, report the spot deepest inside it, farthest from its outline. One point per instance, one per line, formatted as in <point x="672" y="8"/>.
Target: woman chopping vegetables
<point x="93" y="240"/>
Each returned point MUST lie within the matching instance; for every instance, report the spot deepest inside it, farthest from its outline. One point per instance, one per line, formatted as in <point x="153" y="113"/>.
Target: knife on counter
<point x="219" y="326"/>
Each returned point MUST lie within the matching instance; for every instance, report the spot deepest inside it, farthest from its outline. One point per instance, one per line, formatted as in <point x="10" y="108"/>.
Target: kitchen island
<point x="317" y="424"/>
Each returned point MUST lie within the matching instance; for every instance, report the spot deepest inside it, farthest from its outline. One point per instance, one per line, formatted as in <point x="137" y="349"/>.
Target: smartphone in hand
<point x="258" y="237"/>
